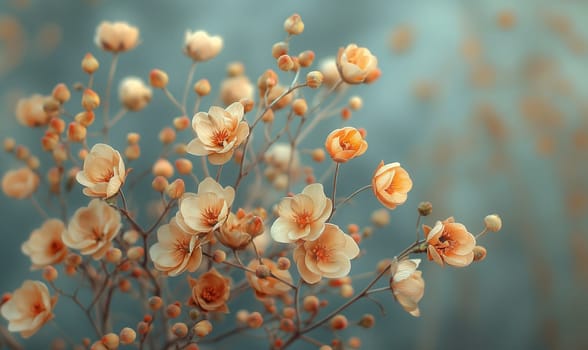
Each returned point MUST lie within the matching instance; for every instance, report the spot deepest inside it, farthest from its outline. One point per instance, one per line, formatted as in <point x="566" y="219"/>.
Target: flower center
<point x="321" y="253"/>
<point x="209" y="294"/>
<point x="210" y="216"/>
<point x="37" y="308"/>
<point x="220" y="137"/>
<point x="55" y="247"/>
<point x="303" y="219"/>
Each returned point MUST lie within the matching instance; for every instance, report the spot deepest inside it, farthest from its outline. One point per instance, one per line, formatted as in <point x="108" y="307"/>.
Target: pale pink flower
<point x="207" y="210"/>
<point x="20" y="183"/>
<point x="269" y="286"/>
<point x="391" y="184"/>
<point x="116" y="36"/>
<point x="407" y="284"/>
<point x="176" y="251"/>
<point x="134" y="94"/>
<point x="30" y="112"/>
<point x="220" y="132"/>
<point x="45" y="246"/>
<point x="302" y="216"/>
<point x="202" y="47"/>
<point x="450" y="242"/>
<point x="29" y="308"/>
<point x="91" y="229"/>
<point x="355" y="64"/>
<point x="211" y="291"/>
<point x="103" y="172"/>
<point x="328" y="256"/>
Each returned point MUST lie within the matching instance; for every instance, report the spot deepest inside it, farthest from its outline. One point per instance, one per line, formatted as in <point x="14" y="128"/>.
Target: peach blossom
<point x="103" y="172"/>
<point x="202" y="47"/>
<point x="345" y="144"/>
<point x="20" y="183"/>
<point x="355" y="64"/>
<point x="269" y="286"/>
<point x="207" y="210"/>
<point x="134" y="94"/>
<point x="450" y="242"/>
<point x="45" y="246"/>
<point x="327" y="256"/>
<point x="220" y="132"/>
<point x="302" y="216"/>
<point x="29" y="308"/>
<point x="176" y="251"/>
<point x="30" y="112"/>
<point x="390" y="184"/>
<point x="407" y="284"/>
<point x="211" y="291"/>
<point x="116" y="36"/>
<point x="232" y="233"/>
<point x="91" y="229"/>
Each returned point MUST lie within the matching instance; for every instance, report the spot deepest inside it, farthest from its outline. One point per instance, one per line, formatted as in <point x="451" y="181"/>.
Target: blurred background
<point x="483" y="102"/>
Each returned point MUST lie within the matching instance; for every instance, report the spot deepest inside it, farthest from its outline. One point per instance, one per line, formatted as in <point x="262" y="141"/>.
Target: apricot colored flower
<point x="30" y="112"/>
<point x="206" y="210"/>
<point x="391" y="184"/>
<point x="345" y="144"/>
<point x="269" y="286"/>
<point x="231" y="233"/>
<point x="116" y="36"/>
<point x="29" y="308"/>
<point x="327" y="256"/>
<point x="450" y="243"/>
<point x="134" y="94"/>
<point x="45" y="246"/>
<point x="302" y="216"/>
<point x="407" y="284"/>
<point x="200" y="46"/>
<point x="220" y="132"/>
<point x="176" y="251"/>
<point x="103" y="172"/>
<point x="91" y="229"/>
<point x="355" y="63"/>
<point x="211" y="291"/>
<point x="20" y="183"/>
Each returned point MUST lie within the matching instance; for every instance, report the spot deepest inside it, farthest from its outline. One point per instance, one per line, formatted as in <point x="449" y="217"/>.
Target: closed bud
<point x="113" y="255"/>
<point x="50" y="273"/>
<point x="22" y="152"/>
<point x="479" y="253"/>
<point x="181" y="123"/>
<point x="76" y="132"/>
<point x="135" y="253"/>
<point x="268" y="116"/>
<point x="176" y="189"/>
<point x="355" y="103"/>
<point x="158" y="78"/>
<point x="293" y="25"/>
<point x="285" y="63"/>
<point x="287" y="325"/>
<point x="339" y="322"/>
<point x="133" y="152"/>
<point x="380" y="217"/>
<point x="202" y="87"/>
<point x="90" y="64"/>
<point x="218" y="256"/>
<point x="267" y="81"/>
<point x="9" y="144"/>
<point x="179" y="329"/>
<point x="346" y="291"/>
<point x="61" y="93"/>
<point x="283" y="263"/>
<point x="318" y="155"/>
<point x="425" y="208"/>
<point x="314" y="79"/>
<point x="85" y="118"/>
<point x="127" y="336"/>
<point x="111" y="341"/>
<point x="159" y="183"/>
<point x="155" y="303"/>
<point x="493" y="223"/>
<point x="33" y="162"/>
<point x="167" y="135"/>
<point x="163" y="167"/>
<point x="184" y="166"/>
<point x="133" y="138"/>
<point x="51" y="105"/>
<point x="254" y="320"/>
<point x="90" y="100"/>
<point x="131" y="237"/>
<point x="262" y="272"/>
<point x="311" y="304"/>
<point x="280" y="48"/>
<point x="235" y="69"/>
<point x="254" y="226"/>
<point x="173" y="310"/>
<point x="194" y="314"/>
<point x="124" y="285"/>
<point x="306" y="58"/>
<point x="299" y="106"/>
<point x="345" y="113"/>
<point x="57" y="125"/>
<point x="202" y="328"/>
<point x="367" y="321"/>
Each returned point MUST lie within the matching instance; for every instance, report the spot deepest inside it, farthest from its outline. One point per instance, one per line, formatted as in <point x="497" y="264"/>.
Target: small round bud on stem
<point x="181" y="123"/>
<point x="76" y="132"/>
<point x="218" y="256"/>
<point x="90" y="100"/>
<point x="159" y="184"/>
<point x="235" y="69"/>
<point x="167" y="135"/>
<point x="293" y="25"/>
<point x="135" y="253"/>
<point x="367" y="321"/>
<point x="184" y="166"/>
<point x="50" y="273"/>
<point x="299" y="106"/>
<point x="111" y="341"/>
<point x="61" y="93"/>
<point x="155" y="303"/>
<point x="306" y="58"/>
<point x="425" y="208"/>
<point x="283" y="263"/>
<point x="179" y="329"/>
<point x="9" y="144"/>
<point x="280" y="48"/>
<point x="202" y="328"/>
<point x="85" y="118"/>
<point x="355" y="103"/>
<point x="163" y="167"/>
<point x="314" y="79"/>
<point x="127" y="336"/>
<point x="158" y="78"/>
<point x="254" y="226"/>
<point x="285" y="63"/>
<point x="90" y="64"/>
<point x="479" y="253"/>
<point x="254" y="320"/>
<point x="339" y="322"/>
<point x="311" y="304"/>
<point x="493" y="223"/>
<point x="262" y="272"/>
<point x="173" y="310"/>
<point x="202" y="87"/>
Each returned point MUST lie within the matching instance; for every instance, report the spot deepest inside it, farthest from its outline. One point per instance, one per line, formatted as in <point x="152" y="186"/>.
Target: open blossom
<point x="211" y="291"/>
<point x="232" y="233"/>
<point x="45" y="246"/>
<point x="345" y="144"/>
<point x="220" y="132"/>
<point x="176" y="251"/>
<point x="202" y="47"/>
<point x="29" y="308"/>
<point x="450" y="243"/>
<point x="116" y="36"/>
<point x="20" y="183"/>
<point x="355" y="64"/>
<point x="134" y="94"/>
<point x="407" y="284"/>
<point x="91" y="229"/>
<point x="103" y="172"/>
<point x="302" y="216"/>
<point x="206" y="210"/>
<point x="269" y="286"/>
<point x="30" y="112"/>
<point x="390" y="184"/>
<point x="327" y="256"/>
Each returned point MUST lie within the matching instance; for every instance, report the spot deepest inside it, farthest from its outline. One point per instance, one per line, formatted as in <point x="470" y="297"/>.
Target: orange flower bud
<point x="283" y="263"/>
<point x="9" y="144"/>
<point x="391" y="184"/>
<point x="56" y="125"/>
<point x="285" y="63"/>
<point x="184" y="166"/>
<point x="158" y="78"/>
<point x="76" y="132"/>
<point x="173" y="310"/>
<point x="113" y="255"/>
<point x="248" y="104"/>
<point x="299" y="106"/>
<point x="339" y="322"/>
<point x="235" y="69"/>
<point x="425" y="208"/>
<point x="135" y="253"/>
<point x="181" y="123"/>
<point x="311" y="304"/>
<point x="306" y="58"/>
<point x="293" y="25"/>
<point x="90" y="64"/>
<point x="176" y="189"/>
<point x="50" y="273"/>
<point x="133" y="138"/>
<point x="159" y="184"/>
<point x="355" y="103"/>
<point x="493" y="223"/>
<point x="133" y="152"/>
<point x="85" y="118"/>
<point x="111" y="341"/>
<point x="314" y="79"/>
<point x="202" y="328"/>
<point x="254" y="320"/>
<point x="367" y="321"/>
<point x="345" y="144"/>
<point x="179" y="329"/>
<point x="127" y="336"/>
<point x="90" y="100"/>
<point x="254" y="226"/>
<point x="167" y="135"/>
<point x="202" y="87"/>
<point x="218" y="256"/>
<point x="479" y="253"/>
<point x="163" y="167"/>
<point x="280" y="48"/>
<point x="61" y="93"/>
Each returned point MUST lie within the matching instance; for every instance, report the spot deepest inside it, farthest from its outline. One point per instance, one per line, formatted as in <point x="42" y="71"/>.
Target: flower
<point x="134" y="94"/>
<point x="211" y="291"/>
<point x="450" y="242"/>
<point x="407" y="284"/>
<point x="220" y="132"/>
<point x="345" y="144"/>
<point x="20" y="183"/>
<point x="30" y="112"/>
<point x="176" y="251"/>
<point x="103" y="172"/>
<point x="331" y="76"/>
<point x="232" y="234"/>
<point x="206" y="210"/>
<point x="234" y="89"/>
<point x="355" y="64"/>
<point x="327" y="256"/>
<point x="200" y="46"/>
<point x="116" y="36"/>
<point x="302" y="216"/>
<point x="29" y="308"/>
<point x="91" y="229"/>
<point x="269" y="286"/>
<point x="45" y="246"/>
<point x="391" y="184"/>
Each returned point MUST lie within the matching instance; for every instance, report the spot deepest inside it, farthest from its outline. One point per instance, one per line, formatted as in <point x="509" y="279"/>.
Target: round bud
<point x="90" y="100"/>
<point x="155" y="303"/>
<point x="285" y="63"/>
<point x="346" y="291"/>
<point x="61" y="93"/>
<point x="9" y="144"/>
<point x="202" y="87"/>
<point x="181" y="123"/>
<point x="425" y="208"/>
<point x="235" y="69"/>
<point x="167" y="135"/>
<point x="218" y="256"/>
<point x="314" y="79"/>
<point x="135" y="253"/>
<point x="111" y="341"/>
<point x="76" y="132"/>
<point x="159" y="183"/>
<point x="318" y="155"/>
<point x="113" y="255"/>
<point x="158" y="78"/>
<point x="493" y="223"/>
<point x="85" y="118"/>
<point x="299" y="106"/>
<point x="50" y="273"/>
<point x="367" y="321"/>
<point x="173" y="310"/>
<point x="163" y="167"/>
<point x="280" y="48"/>
<point x="380" y="217"/>
<point x="179" y="329"/>
<point x="184" y="166"/>
<point x="355" y="103"/>
<point x="176" y="189"/>
<point x="293" y="25"/>
<point x="339" y="322"/>
<point x="57" y="125"/>
<point x="306" y="58"/>
<point x="479" y="253"/>
<point x="311" y="304"/>
<point x="90" y="64"/>
<point x="262" y="272"/>
<point x="133" y="152"/>
<point x="254" y="320"/>
<point x="283" y="263"/>
<point x="202" y="328"/>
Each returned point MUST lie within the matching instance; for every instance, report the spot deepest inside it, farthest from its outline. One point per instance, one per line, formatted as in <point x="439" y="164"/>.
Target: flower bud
<point x="184" y="166"/>
<point x="293" y="25"/>
<point x="314" y="79"/>
<point x="254" y="226"/>
<point x="50" y="273"/>
<point x="218" y="256"/>
<point x="311" y="304"/>
<point x="479" y="253"/>
<point x="283" y="263"/>
<point x="262" y="272"/>
<point x="133" y="138"/>
<point x="51" y="106"/>
<point x="179" y="329"/>
<point x="380" y="217"/>
<point x="159" y="183"/>
<point x="181" y="123"/>
<point x="9" y="144"/>
<point x="163" y="167"/>
<point x="254" y="320"/>
<point x="158" y="78"/>
<point x="57" y="125"/>
<point x="113" y="255"/>
<point x="131" y="237"/>
<point x="90" y="100"/>
<point x="135" y="253"/>
<point x="176" y="189"/>
<point x="202" y="87"/>
<point x="90" y="64"/>
<point x="133" y="152"/>
<point x="235" y="69"/>
<point x="299" y="106"/>
<point x="285" y="63"/>
<point x="111" y="341"/>
<point x="76" y="132"/>
<point x="173" y="310"/>
<point x="61" y="93"/>
<point x="306" y="58"/>
<point x="127" y="336"/>
<point x="425" y="208"/>
<point x="367" y="321"/>
<point x="280" y="48"/>
<point x="318" y="155"/>
<point x="167" y="135"/>
<point x="493" y="223"/>
<point x="202" y="328"/>
<point x="339" y="322"/>
<point x="355" y="103"/>
<point x="85" y="118"/>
